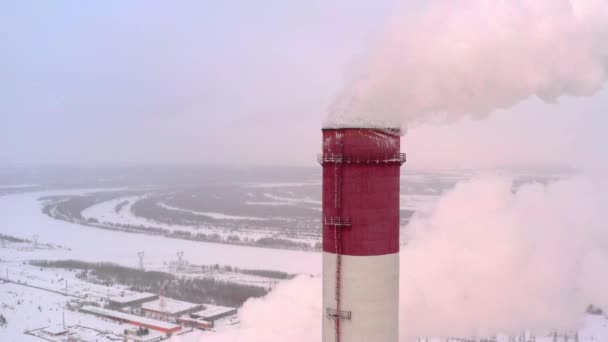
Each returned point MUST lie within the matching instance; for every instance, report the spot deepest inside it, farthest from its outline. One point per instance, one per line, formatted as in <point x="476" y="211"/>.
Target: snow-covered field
<point x="107" y="212"/>
<point x="216" y="216"/>
<point x="28" y="308"/>
<point x="18" y="186"/>
<point x="21" y="216"/>
<point x="225" y="228"/>
<point x="270" y="185"/>
<point x="58" y="280"/>
<point x="292" y="200"/>
<point x="36" y="299"/>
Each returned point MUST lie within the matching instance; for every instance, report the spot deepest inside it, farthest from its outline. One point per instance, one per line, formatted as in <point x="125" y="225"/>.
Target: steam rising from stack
<point x="466" y="58"/>
<point x="486" y="259"/>
<point x="489" y="260"/>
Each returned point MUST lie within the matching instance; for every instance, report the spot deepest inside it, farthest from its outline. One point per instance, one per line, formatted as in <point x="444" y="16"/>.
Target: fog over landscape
<point x="483" y="56"/>
<point x="177" y="143"/>
<point x="171" y="83"/>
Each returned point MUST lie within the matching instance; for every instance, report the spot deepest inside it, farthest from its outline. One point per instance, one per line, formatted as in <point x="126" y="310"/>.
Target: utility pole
<point x="140" y="254"/>
<point x="180" y="256"/>
<point x="66" y="287"/>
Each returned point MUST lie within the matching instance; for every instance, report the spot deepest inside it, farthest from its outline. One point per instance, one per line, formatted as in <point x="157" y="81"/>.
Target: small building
<point x="54" y="331"/>
<point x="131" y="299"/>
<point x="167" y="307"/>
<point x="139" y="321"/>
<point x="139" y="331"/>
<point x="212" y="313"/>
<point x="193" y="322"/>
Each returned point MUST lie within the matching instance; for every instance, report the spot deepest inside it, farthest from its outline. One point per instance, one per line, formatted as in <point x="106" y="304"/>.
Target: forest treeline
<point x="196" y="290"/>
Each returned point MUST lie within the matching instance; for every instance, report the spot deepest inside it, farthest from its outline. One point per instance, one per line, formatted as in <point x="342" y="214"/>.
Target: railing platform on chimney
<point x="335" y="314"/>
<point x="337" y="221"/>
<point x="339" y="158"/>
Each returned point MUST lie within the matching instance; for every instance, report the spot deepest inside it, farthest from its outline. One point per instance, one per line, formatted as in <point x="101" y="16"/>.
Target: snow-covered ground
<point x="27" y="308"/>
<point x="107" y="211"/>
<point x="58" y="280"/>
<point x="35" y="299"/>
<point x="18" y="186"/>
<point x="21" y="216"/>
<point x="292" y="200"/>
<point x="216" y="216"/>
<point x="271" y="185"/>
<point x="118" y="212"/>
<point x="194" y="271"/>
<point x="30" y="309"/>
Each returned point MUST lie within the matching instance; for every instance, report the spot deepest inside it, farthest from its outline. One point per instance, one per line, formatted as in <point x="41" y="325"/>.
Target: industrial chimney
<point x="361" y="234"/>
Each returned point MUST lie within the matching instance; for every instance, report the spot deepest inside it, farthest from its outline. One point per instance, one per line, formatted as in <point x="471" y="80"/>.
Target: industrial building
<point x="149" y="323"/>
<point x="167" y="307"/>
<point x="193" y="322"/>
<point x="54" y="331"/>
<point x="212" y="313"/>
<point x="361" y="175"/>
<point x="133" y="299"/>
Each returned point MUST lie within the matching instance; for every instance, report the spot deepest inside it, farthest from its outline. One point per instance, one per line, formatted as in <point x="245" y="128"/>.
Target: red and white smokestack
<point x="361" y="234"/>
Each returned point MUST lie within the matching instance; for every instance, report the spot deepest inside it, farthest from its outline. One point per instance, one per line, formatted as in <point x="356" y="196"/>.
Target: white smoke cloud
<point x="485" y="259"/>
<point x="450" y="59"/>
<point x="489" y="260"/>
<point x="291" y="312"/>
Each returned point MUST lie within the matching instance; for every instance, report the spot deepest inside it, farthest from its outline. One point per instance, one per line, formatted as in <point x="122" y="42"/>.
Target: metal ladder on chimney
<point x="338" y="223"/>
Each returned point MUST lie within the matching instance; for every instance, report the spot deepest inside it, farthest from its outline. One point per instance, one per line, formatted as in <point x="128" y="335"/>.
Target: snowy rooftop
<point x="193" y="320"/>
<point x="133" y="297"/>
<point x="130" y="318"/>
<point x="213" y="310"/>
<point x="55" y="330"/>
<point x="171" y="306"/>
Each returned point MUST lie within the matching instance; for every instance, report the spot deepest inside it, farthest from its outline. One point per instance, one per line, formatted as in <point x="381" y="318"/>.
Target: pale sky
<point x="230" y="82"/>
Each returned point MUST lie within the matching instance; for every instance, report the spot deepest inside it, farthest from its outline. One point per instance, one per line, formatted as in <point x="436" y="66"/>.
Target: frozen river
<point x="21" y="216"/>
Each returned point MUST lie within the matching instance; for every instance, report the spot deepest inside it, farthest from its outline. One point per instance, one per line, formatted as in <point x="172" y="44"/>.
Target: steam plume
<point x="484" y="260"/>
<point x="488" y="260"/>
<point x="291" y="312"/>
<point x="451" y="59"/>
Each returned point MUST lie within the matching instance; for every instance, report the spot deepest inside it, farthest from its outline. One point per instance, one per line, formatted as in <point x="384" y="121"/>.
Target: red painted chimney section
<point x="369" y="191"/>
<point x="361" y="175"/>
